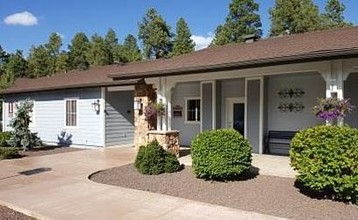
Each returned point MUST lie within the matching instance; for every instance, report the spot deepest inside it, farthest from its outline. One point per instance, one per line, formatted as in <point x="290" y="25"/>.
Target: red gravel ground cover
<point x="9" y="214"/>
<point x="264" y="194"/>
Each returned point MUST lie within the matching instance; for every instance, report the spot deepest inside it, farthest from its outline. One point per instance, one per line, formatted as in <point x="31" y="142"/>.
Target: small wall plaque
<point x="178" y="111"/>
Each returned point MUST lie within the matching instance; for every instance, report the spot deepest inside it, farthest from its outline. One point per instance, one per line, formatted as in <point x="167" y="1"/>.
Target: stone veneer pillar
<point x="169" y="140"/>
<point x="146" y="131"/>
<point x="145" y="94"/>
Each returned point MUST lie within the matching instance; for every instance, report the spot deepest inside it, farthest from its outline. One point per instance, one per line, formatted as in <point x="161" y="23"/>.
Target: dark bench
<point x="278" y="142"/>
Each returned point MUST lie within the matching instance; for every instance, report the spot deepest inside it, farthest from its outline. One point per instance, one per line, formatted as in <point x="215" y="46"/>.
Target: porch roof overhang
<point x="247" y="64"/>
<point x="44" y="88"/>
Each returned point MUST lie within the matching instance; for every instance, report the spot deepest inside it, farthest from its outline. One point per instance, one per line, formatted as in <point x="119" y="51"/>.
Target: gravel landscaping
<point x="264" y="194"/>
<point x="9" y="214"/>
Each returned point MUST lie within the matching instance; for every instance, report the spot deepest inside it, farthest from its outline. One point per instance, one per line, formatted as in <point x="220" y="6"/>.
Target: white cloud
<point x="24" y="18"/>
<point x="202" y="42"/>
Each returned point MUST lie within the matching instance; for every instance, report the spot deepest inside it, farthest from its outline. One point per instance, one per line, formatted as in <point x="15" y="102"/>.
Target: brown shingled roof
<point x="94" y="77"/>
<point x="328" y="44"/>
<point x="320" y="45"/>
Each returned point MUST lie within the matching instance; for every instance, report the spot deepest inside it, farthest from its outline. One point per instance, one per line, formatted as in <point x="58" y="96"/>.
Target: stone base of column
<point x="169" y="140"/>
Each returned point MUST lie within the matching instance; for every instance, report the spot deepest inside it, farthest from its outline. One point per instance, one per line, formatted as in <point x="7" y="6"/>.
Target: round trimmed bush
<point x="153" y="160"/>
<point x="326" y="159"/>
<point x="220" y="154"/>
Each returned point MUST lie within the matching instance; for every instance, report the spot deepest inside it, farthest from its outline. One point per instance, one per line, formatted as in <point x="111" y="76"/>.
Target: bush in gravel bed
<point x="9" y="153"/>
<point x="153" y="160"/>
<point x="4" y="137"/>
<point x="220" y="155"/>
<point x="326" y="159"/>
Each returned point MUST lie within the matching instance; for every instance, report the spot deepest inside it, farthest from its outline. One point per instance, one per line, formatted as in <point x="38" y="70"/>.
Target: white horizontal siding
<point x="49" y="115"/>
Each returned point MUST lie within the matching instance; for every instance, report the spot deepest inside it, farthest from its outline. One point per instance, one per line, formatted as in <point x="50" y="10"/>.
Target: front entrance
<point x="235" y="114"/>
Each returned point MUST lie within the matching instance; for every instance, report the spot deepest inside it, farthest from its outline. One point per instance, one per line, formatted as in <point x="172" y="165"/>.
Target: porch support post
<point x="334" y="77"/>
<point x="164" y="90"/>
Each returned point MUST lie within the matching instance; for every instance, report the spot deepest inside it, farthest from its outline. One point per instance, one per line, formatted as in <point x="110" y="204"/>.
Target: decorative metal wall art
<point x="291" y="93"/>
<point x="292" y="101"/>
<point x="291" y="107"/>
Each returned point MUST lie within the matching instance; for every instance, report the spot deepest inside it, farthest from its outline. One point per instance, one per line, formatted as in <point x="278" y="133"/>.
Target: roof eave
<point x="80" y="86"/>
<point x="301" y="58"/>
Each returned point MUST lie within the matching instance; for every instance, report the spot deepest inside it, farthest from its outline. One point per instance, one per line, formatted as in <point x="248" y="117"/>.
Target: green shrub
<point x="171" y="163"/>
<point x="4" y="137"/>
<point x="220" y="154"/>
<point x="21" y="135"/>
<point x="153" y="160"/>
<point x="326" y="159"/>
<point x="9" y="153"/>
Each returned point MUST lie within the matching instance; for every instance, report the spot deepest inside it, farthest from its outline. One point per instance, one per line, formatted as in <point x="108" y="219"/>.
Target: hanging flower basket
<point x="331" y="109"/>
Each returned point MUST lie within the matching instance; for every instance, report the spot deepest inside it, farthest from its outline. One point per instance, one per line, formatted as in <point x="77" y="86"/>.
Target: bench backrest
<point x="287" y="135"/>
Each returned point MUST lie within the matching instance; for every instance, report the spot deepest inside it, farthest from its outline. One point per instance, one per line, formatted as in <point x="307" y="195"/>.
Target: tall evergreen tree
<point x="78" y="51"/>
<point x="11" y="66"/>
<point x="3" y="59"/>
<point x="155" y="35"/>
<point x="53" y="46"/>
<point x="243" y="19"/>
<point x="130" y="49"/>
<point x="333" y="16"/>
<point x="294" y="16"/>
<point x="16" y="64"/>
<point x="111" y="41"/>
<point x="62" y="62"/>
<point x="99" y="53"/>
<point x="182" y="42"/>
<point x="39" y="61"/>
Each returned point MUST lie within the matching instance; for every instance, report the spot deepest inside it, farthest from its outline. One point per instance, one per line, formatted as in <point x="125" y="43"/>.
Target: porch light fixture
<point x="96" y="106"/>
<point x="291" y="93"/>
<point x="291" y="107"/>
<point x="138" y="104"/>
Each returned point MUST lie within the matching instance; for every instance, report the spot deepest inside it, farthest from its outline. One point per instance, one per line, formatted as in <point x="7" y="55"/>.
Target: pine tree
<point x="11" y="66"/>
<point x="243" y="19"/>
<point x="130" y="49"/>
<point x="39" y="62"/>
<point x="182" y="43"/>
<point x="62" y="62"/>
<point x="111" y="41"/>
<point x="16" y="64"/>
<point x="78" y="51"/>
<point x="333" y="16"/>
<point x="294" y="16"/>
<point x="99" y="53"/>
<point x="53" y="46"/>
<point x="155" y="35"/>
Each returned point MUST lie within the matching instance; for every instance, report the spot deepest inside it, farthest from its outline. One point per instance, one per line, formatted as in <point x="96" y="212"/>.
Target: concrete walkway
<point x="267" y="164"/>
<point x="57" y="187"/>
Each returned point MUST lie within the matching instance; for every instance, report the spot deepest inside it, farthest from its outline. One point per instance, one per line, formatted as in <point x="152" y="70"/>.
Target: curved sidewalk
<point x="57" y="187"/>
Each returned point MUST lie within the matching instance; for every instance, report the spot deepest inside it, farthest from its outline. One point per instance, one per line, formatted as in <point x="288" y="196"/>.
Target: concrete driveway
<point x="57" y="187"/>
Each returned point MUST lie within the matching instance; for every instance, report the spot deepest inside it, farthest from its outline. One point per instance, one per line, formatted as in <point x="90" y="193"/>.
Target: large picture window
<point x="71" y="113"/>
<point x="192" y="110"/>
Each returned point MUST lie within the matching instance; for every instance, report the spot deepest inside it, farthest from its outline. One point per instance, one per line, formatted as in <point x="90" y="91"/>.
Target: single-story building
<point x="254" y="87"/>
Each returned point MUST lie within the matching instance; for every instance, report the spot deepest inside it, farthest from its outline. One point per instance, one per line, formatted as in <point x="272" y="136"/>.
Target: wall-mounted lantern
<point x="138" y="104"/>
<point x="96" y="106"/>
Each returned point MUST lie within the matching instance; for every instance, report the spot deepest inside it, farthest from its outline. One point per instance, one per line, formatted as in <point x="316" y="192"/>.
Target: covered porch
<point x="254" y="101"/>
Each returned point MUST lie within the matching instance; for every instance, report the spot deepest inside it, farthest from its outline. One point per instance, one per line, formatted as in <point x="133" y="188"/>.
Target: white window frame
<point x="65" y="112"/>
<point x="11" y="105"/>
<point x="186" y="110"/>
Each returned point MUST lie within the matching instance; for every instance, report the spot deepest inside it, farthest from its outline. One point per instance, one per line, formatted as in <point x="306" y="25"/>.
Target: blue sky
<point x="68" y="17"/>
